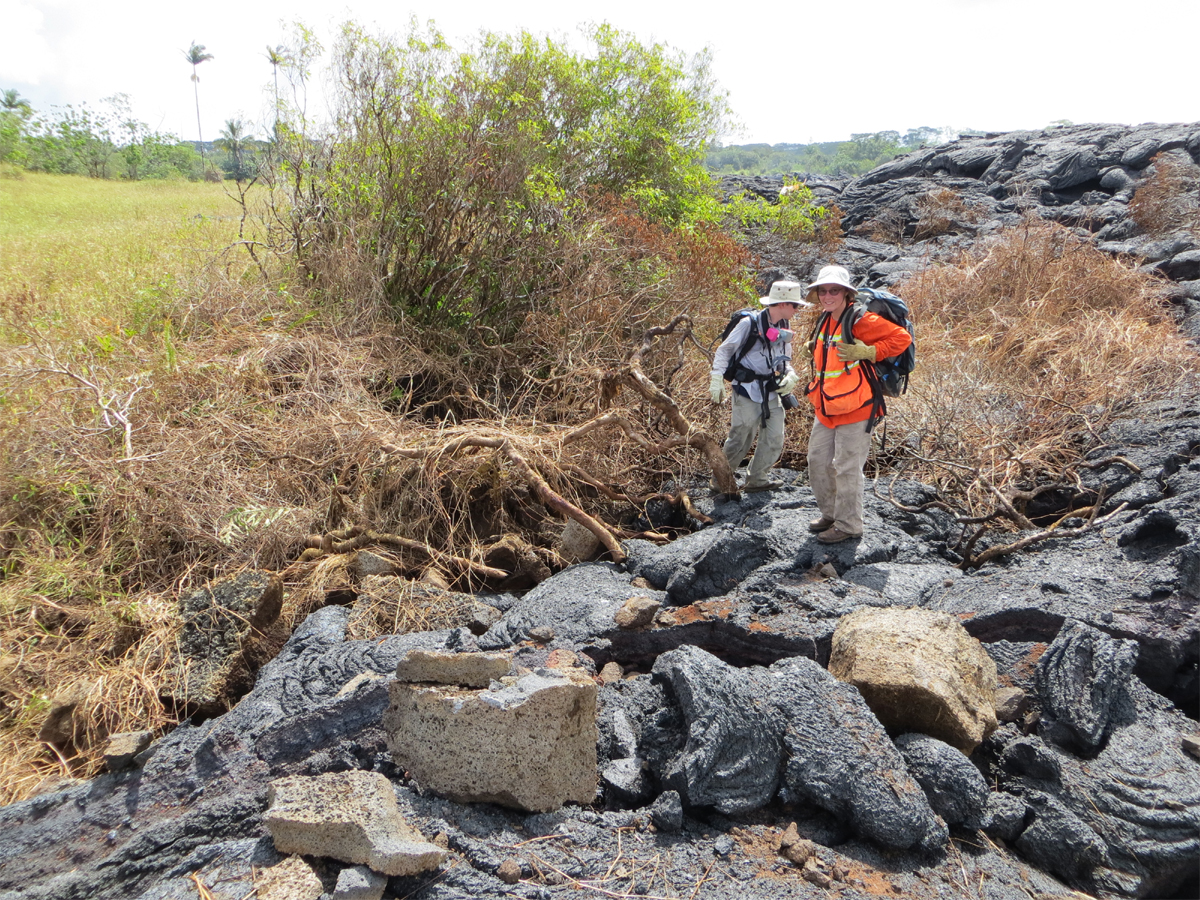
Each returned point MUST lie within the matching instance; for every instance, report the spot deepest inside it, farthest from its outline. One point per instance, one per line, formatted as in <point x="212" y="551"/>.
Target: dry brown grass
<point x="942" y="211"/>
<point x="1169" y="199"/>
<point x="256" y="420"/>
<point x="1028" y="346"/>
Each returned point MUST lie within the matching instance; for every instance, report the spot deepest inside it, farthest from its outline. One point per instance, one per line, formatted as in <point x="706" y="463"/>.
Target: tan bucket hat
<point x="785" y="292"/>
<point x="831" y="275"/>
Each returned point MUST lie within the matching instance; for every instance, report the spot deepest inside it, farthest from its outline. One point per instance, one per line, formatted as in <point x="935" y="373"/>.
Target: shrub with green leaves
<point x="797" y="216"/>
<point x="461" y="184"/>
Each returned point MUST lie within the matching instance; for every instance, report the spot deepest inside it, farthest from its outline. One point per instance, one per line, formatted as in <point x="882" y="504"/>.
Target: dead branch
<point x="996" y="552"/>
<point x="1005" y="507"/>
<point x="632" y="376"/>
<point x="357" y="538"/>
<point x="535" y="481"/>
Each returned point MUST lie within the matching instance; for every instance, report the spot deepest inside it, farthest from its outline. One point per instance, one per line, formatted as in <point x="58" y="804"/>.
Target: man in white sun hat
<point x="758" y="353"/>
<point x="842" y="348"/>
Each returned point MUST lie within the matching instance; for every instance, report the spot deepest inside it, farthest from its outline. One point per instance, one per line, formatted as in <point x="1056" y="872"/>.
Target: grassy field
<point x="92" y="274"/>
<point x="102" y="255"/>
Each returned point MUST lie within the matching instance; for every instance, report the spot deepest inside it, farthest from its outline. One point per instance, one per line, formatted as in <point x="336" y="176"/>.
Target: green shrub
<point x="456" y="186"/>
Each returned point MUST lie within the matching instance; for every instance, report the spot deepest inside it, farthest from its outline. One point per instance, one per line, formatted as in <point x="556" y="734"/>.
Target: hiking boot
<point x="834" y="536"/>
<point x="762" y="486"/>
<point x="820" y="524"/>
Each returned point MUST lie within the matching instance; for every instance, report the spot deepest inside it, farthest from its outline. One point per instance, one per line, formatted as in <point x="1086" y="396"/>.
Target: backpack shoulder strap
<point x="751" y="336"/>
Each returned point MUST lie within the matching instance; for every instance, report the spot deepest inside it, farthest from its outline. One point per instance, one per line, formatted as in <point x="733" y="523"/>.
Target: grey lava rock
<point x="732" y="754"/>
<point x="1006" y="815"/>
<point x="1079" y="680"/>
<point x="667" y="811"/>
<point x="841" y="759"/>
<point x="955" y="788"/>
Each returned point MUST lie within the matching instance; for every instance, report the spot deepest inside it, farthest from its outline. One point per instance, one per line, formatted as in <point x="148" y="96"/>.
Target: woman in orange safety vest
<point x="844" y="401"/>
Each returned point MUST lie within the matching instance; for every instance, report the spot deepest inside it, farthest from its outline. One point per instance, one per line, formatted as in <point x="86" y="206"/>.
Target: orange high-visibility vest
<point x="838" y="388"/>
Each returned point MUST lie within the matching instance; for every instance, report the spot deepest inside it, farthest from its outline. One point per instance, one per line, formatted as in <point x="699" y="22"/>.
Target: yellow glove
<point x="788" y="382"/>
<point x="716" y="388"/>
<point x="847" y="352"/>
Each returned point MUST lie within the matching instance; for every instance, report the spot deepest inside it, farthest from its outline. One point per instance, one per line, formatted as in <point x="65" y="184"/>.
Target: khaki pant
<point x="747" y="425"/>
<point x="836" y="457"/>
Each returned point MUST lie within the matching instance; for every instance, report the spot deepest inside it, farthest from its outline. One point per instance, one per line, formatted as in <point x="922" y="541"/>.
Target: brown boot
<point x="834" y="536"/>
<point x="763" y="486"/>
<point x="820" y="524"/>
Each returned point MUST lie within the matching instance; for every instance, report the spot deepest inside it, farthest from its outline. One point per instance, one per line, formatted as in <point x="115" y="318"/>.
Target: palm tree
<point x="276" y="56"/>
<point x="14" y="102"/>
<point x="195" y="55"/>
<point x="235" y="141"/>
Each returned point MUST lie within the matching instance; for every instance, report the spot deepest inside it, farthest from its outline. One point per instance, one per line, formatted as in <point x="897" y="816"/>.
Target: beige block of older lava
<point x="919" y="671"/>
<point x="530" y="744"/>
<point x="292" y="879"/>
<point x="350" y="816"/>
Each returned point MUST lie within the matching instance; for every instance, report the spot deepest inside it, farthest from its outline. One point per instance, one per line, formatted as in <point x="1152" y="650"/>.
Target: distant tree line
<point x="856" y="156"/>
<point x="108" y="142"/>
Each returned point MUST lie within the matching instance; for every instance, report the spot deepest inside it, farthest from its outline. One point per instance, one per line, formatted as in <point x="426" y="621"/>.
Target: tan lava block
<point x="530" y="745"/>
<point x="447" y="667"/>
<point x="919" y="671"/>
<point x="349" y="816"/>
<point x="292" y="879"/>
<point x="637" y="612"/>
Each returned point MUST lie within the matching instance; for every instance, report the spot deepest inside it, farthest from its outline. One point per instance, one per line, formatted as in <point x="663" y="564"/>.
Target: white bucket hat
<point x="838" y="275"/>
<point x="831" y="275"/>
<point x="785" y="292"/>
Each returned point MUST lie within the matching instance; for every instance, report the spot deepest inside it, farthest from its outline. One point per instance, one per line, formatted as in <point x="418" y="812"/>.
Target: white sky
<point x="796" y="72"/>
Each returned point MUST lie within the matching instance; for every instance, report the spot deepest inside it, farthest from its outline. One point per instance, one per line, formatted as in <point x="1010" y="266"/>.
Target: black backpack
<point x="735" y="363"/>
<point x="893" y="371"/>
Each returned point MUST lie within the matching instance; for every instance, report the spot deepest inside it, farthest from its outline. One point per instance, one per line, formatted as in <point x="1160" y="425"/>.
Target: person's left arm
<point x="877" y="339"/>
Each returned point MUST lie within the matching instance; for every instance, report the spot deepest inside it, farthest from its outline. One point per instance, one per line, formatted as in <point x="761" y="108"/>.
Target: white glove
<point x="788" y="382"/>
<point x="716" y="388"/>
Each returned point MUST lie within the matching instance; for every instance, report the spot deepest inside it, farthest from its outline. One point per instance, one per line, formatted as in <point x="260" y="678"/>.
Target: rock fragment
<point x="292" y="879"/>
<point x="444" y="667"/>
<point x="919" y="671"/>
<point x="218" y="622"/>
<point x="530" y="744"/>
<point x="637" y="612"/>
<point x="350" y="816"/>
<point x="359" y="883"/>
<point x="121" y="748"/>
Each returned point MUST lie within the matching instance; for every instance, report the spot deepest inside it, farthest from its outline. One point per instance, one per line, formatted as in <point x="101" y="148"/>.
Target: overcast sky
<point x="795" y="72"/>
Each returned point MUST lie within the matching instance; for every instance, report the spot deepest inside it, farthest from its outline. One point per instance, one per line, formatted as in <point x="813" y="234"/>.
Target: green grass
<point x="106" y="255"/>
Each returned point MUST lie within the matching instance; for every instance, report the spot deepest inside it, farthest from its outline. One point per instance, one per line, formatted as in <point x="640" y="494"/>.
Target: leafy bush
<point x="796" y="217"/>
<point x="457" y="187"/>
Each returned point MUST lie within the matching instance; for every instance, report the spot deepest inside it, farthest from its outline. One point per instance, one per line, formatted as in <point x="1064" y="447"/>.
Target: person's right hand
<point x="716" y="388"/>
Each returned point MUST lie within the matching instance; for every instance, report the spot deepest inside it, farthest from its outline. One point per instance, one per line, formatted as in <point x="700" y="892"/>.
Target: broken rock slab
<point x="919" y="671"/>
<point x="292" y="879"/>
<point x="349" y="816"/>
<point x="530" y="744"/>
<point x="474" y="670"/>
